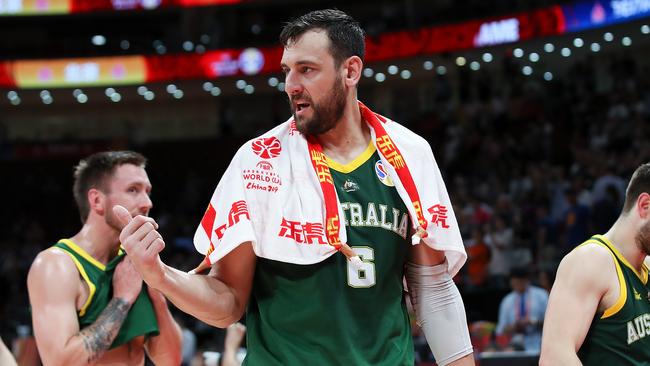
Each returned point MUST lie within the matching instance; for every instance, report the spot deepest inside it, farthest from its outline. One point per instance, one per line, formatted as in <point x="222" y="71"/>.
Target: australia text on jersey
<point x="376" y="215"/>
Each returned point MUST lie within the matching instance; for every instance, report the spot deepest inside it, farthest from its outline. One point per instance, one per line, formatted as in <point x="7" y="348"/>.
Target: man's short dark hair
<point x="93" y="171"/>
<point x="639" y="183"/>
<point x="520" y="273"/>
<point x="345" y="35"/>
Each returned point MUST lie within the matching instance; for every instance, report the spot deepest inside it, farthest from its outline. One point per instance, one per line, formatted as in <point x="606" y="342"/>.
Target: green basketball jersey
<point x="621" y="334"/>
<point x="141" y="319"/>
<point x="329" y="313"/>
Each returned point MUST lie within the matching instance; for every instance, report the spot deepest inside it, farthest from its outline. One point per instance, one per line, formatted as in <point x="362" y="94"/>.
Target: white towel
<point x="276" y="194"/>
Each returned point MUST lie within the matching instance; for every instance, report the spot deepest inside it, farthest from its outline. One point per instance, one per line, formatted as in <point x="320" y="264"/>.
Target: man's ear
<point x="643" y="205"/>
<point x="352" y="69"/>
<point x="96" y="200"/>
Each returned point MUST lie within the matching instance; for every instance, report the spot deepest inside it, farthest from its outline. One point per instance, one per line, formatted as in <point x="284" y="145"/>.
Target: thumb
<point x="122" y="214"/>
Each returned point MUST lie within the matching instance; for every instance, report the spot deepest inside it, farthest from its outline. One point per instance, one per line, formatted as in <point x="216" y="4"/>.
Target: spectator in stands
<point x="521" y="313"/>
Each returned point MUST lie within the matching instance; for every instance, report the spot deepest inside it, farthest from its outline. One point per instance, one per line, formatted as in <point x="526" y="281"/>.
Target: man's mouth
<point x="301" y="106"/>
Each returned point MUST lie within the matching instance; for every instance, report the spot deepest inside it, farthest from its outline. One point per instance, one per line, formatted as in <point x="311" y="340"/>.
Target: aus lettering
<point x="638" y="328"/>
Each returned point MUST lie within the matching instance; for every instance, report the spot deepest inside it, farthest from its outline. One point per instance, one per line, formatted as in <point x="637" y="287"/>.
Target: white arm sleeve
<point x="440" y="311"/>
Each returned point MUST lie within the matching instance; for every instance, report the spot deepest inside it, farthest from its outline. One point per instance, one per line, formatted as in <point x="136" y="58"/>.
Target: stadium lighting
<point x="368" y="72"/>
<point x="548" y="76"/>
<point x="149" y="95"/>
<point x="427" y="65"/>
<point x="216" y="91"/>
<point x="109" y="92"/>
<point x="116" y="97"/>
<point x="566" y="52"/>
<point x="281" y="87"/>
<point x="533" y="57"/>
<point x="527" y="70"/>
<point x="48" y="99"/>
<point x="595" y="47"/>
<point x="98" y="40"/>
<point x="380" y="77"/>
<point x="392" y="69"/>
<point x="441" y="70"/>
<point x="205" y="38"/>
<point x="125" y="44"/>
<point x="608" y="36"/>
<point x="273" y="81"/>
<point x="171" y="88"/>
<point x="82" y="98"/>
<point x="249" y="89"/>
<point x="199" y="48"/>
<point x="487" y="57"/>
<point x="142" y="90"/>
<point x="578" y="42"/>
<point x="15" y="101"/>
<point x="645" y="29"/>
<point x="77" y="92"/>
<point x="518" y="52"/>
<point x="405" y="74"/>
<point x="188" y="46"/>
<point x="44" y="94"/>
<point x="207" y="86"/>
<point x="474" y="65"/>
<point x="241" y="84"/>
<point x="549" y="47"/>
<point x="178" y="94"/>
<point x="626" y="41"/>
<point x="461" y="61"/>
<point x="159" y="47"/>
<point x="12" y="95"/>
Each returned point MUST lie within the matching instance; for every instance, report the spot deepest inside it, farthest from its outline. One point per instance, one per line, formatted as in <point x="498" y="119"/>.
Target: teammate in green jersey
<point x="88" y="302"/>
<point x="329" y="312"/>
<point x="599" y="308"/>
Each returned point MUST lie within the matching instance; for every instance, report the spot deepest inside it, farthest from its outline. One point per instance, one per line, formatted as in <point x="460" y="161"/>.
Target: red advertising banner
<point x="253" y="61"/>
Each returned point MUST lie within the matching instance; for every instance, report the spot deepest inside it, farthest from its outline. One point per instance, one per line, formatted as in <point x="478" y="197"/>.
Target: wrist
<point x="124" y="301"/>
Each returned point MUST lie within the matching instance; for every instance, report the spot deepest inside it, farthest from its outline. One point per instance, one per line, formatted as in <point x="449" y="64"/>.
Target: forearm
<point x="440" y="312"/>
<point x="90" y="344"/>
<point x="165" y="348"/>
<point x="204" y="297"/>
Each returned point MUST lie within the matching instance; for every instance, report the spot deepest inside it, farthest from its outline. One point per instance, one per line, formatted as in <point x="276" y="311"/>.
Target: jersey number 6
<point x="363" y="277"/>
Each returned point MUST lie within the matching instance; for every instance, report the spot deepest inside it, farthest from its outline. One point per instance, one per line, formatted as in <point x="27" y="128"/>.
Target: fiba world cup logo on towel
<point x="382" y="174"/>
<point x="267" y="147"/>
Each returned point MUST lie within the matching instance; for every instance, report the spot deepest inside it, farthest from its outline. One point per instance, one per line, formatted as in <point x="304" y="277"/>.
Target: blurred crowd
<point x="533" y="168"/>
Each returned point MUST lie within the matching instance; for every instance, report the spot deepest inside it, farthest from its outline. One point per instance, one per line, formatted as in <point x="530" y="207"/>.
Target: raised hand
<point x="142" y="244"/>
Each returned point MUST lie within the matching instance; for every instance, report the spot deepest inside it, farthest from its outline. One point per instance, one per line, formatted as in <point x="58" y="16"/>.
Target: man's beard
<point x="112" y="220"/>
<point x="326" y="114"/>
<point x="642" y="238"/>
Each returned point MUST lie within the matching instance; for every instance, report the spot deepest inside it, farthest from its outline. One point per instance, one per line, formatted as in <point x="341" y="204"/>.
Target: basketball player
<point x="599" y="308"/>
<point x="318" y="314"/>
<point x="88" y="302"/>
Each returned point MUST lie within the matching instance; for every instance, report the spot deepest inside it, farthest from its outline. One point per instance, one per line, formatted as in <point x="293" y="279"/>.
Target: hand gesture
<point x="143" y="244"/>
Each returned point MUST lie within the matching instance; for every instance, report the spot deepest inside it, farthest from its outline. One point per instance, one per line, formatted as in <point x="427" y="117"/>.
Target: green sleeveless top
<point x="621" y="334"/>
<point x="141" y="319"/>
<point x="329" y="313"/>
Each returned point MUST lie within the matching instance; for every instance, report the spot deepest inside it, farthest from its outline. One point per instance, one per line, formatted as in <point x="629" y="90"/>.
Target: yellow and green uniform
<point x="329" y="313"/>
<point x="621" y="334"/>
<point x="141" y="319"/>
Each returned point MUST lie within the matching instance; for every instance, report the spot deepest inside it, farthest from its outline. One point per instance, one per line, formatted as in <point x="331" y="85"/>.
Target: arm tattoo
<point x="99" y="336"/>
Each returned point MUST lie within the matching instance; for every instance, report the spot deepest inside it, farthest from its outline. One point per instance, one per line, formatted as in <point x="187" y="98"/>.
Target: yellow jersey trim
<point x="622" y="296"/>
<point x="643" y="276"/>
<point x="82" y="271"/>
<point x="354" y="164"/>
<point x="77" y="249"/>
